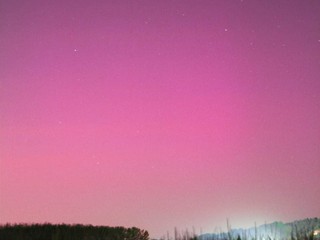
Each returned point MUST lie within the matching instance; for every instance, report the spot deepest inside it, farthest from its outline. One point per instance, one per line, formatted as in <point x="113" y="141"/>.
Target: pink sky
<point x="159" y="114"/>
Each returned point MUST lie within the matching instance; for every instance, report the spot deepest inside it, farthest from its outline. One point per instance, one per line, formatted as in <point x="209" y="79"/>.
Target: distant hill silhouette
<point x="69" y="232"/>
<point x="296" y="230"/>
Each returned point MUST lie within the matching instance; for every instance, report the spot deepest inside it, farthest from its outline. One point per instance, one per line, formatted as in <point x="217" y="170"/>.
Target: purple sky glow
<point x="159" y="114"/>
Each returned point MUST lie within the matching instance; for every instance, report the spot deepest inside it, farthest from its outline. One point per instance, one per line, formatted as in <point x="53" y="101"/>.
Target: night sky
<point x="159" y="114"/>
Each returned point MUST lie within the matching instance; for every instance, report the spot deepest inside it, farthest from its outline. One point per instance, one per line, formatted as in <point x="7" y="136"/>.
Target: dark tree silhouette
<point x="69" y="232"/>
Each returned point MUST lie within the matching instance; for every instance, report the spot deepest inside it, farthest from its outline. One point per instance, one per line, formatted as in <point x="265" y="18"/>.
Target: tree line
<point x="49" y="231"/>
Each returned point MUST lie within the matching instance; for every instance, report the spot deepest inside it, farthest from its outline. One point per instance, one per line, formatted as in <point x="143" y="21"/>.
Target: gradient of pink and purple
<point x="159" y="114"/>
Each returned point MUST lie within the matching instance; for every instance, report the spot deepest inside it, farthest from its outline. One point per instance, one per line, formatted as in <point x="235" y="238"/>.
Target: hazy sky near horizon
<point x="159" y="114"/>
